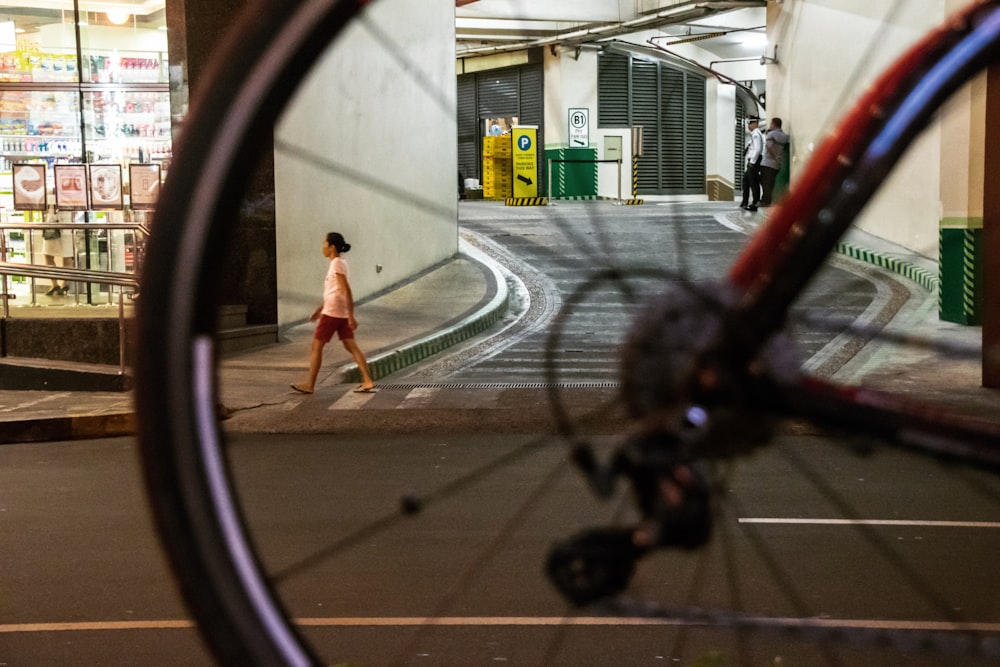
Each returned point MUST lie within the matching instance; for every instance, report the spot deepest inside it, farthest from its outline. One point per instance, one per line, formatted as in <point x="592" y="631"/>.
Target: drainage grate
<point x="501" y="385"/>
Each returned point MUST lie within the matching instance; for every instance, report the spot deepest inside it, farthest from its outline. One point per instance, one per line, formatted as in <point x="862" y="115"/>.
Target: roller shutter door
<point x="670" y="105"/>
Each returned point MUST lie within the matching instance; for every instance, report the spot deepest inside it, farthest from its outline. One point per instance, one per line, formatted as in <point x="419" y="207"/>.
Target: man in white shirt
<point x="753" y="152"/>
<point x="770" y="164"/>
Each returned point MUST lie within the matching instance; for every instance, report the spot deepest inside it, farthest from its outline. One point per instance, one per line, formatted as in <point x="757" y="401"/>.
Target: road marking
<point x="11" y="628"/>
<point x="873" y="522"/>
<point x="518" y="621"/>
<point x="418" y="398"/>
<point x="352" y="400"/>
<point x="32" y="404"/>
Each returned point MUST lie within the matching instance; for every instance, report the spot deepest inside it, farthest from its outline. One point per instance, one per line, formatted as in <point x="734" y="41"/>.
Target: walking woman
<point x="335" y="315"/>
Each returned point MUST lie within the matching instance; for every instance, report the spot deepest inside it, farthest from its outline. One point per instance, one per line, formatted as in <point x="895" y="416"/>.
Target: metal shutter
<point x="498" y="93"/>
<point x="670" y="105"/>
<point x="695" y="133"/>
<point x="613" y="90"/>
<point x="741" y="113"/>
<point x="468" y="127"/>
<point x="645" y="111"/>
<point x="673" y="128"/>
<point x="532" y="112"/>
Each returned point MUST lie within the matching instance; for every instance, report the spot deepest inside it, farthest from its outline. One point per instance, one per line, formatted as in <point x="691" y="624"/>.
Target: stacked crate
<point x="498" y="172"/>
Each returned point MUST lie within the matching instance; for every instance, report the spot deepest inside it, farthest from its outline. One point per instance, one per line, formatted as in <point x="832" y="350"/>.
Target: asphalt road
<point x="80" y="558"/>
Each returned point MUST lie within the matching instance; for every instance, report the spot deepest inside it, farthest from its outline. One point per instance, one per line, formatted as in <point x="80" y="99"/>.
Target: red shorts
<point x="329" y="325"/>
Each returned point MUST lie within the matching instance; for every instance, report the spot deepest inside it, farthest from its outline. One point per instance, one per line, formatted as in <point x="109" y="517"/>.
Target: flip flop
<point x="361" y="389"/>
<point x="299" y="389"/>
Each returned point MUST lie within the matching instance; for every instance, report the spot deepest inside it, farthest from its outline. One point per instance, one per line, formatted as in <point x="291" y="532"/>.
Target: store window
<point x="85" y="123"/>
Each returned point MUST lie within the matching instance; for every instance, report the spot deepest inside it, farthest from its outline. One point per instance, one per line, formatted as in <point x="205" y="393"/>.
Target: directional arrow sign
<point x="525" y="161"/>
<point x="579" y="128"/>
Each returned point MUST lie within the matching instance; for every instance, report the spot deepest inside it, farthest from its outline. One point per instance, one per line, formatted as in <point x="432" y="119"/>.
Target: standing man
<point x="774" y="155"/>
<point x="753" y="152"/>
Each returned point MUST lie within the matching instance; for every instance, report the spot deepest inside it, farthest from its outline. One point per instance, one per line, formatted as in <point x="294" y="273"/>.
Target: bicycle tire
<point x="250" y="79"/>
<point x="183" y="457"/>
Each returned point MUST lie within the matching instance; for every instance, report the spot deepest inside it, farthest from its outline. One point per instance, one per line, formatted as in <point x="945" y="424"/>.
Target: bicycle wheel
<point x="185" y="458"/>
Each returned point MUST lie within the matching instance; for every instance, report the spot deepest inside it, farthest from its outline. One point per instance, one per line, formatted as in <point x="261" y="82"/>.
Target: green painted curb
<point x="922" y="277"/>
<point x="418" y="350"/>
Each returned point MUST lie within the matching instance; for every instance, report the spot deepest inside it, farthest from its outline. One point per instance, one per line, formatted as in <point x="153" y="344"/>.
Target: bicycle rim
<point x="199" y="520"/>
<point x="184" y="456"/>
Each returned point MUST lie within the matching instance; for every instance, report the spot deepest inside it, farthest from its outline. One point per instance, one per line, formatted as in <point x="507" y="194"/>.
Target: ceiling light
<point x="753" y="39"/>
<point x="119" y="17"/>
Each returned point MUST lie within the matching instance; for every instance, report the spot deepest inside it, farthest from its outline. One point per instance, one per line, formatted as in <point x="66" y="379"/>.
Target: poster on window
<point x="144" y="185"/>
<point x="71" y="187"/>
<point x="106" y="187"/>
<point x="30" y="193"/>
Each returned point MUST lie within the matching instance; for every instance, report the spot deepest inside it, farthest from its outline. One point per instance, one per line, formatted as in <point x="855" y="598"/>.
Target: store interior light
<point x="118" y="17"/>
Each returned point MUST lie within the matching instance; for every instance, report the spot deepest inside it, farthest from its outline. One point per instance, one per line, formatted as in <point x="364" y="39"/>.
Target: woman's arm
<point x="346" y="287"/>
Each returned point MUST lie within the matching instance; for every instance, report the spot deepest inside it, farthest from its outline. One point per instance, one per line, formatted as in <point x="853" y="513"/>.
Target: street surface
<point x="81" y="564"/>
<point x="808" y="528"/>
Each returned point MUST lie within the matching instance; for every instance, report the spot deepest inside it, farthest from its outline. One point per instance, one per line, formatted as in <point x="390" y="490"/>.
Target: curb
<point x="67" y="428"/>
<point x="927" y="280"/>
<point x="420" y="349"/>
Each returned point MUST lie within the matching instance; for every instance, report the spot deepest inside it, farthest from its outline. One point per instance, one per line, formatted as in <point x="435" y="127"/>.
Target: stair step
<point x="231" y="317"/>
<point x="29" y="374"/>
<point x="241" y="339"/>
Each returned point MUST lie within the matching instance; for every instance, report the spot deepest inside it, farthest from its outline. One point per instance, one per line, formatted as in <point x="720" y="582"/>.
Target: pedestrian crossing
<point x="451" y="396"/>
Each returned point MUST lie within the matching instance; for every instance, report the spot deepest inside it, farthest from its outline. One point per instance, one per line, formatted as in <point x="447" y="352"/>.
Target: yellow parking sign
<point x="525" y="161"/>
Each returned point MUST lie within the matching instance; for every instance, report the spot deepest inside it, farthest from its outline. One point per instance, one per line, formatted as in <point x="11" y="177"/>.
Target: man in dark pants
<point x="774" y="155"/>
<point x="753" y="151"/>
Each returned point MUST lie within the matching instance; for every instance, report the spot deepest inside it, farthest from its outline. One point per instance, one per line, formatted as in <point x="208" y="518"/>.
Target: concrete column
<point x="991" y="232"/>
<point x="194" y="31"/>
<point x="963" y="141"/>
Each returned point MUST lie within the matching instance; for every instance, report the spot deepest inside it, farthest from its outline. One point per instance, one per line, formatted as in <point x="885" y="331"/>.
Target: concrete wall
<point x="368" y="149"/>
<point x="829" y="51"/>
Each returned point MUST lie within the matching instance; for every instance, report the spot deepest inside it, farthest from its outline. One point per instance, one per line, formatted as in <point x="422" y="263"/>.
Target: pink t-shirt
<point x="334" y="298"/>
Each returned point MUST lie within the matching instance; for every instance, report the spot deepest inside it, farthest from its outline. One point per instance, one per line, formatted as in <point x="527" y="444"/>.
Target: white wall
<point x="824" y="65"/>
<point x="380" y="163"/>
<point x="720" y="144"/>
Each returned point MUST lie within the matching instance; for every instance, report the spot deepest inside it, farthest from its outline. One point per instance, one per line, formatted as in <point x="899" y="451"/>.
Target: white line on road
<point x="420" y="397"/>
<point x="872" y="522"/>
<point x="518" y="621"/>
<point x="352" y="400"/>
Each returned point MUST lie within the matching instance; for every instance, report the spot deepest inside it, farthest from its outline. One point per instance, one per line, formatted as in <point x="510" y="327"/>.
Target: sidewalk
<point x="445" y="306"/>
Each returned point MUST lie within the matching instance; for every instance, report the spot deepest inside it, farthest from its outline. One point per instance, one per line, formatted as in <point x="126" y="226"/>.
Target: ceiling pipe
<point x="671" y="16"/>
<point x="718" y="75"/>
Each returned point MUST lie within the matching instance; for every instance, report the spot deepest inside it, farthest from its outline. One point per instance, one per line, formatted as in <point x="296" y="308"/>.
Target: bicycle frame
<point x="802" y="232"/>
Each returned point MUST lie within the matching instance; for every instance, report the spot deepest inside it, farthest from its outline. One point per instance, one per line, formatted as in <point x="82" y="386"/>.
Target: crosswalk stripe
<point x="418" y="398"/>
<point x="352" y="401"/>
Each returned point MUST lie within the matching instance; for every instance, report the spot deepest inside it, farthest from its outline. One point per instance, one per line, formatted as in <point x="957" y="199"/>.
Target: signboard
<point x="30" y="192"/>
<point x="525" y="161"/>
<point x="144" y="185"/>
<point x="579" y="128"/>
<point x="106" y="187"/>
<point x="71" y="187"/>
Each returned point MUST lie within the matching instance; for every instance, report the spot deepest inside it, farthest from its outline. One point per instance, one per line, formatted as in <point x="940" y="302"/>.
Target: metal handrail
<point x="69" y="274"/>
<point x="86" y="226"/>
<point x="89" y="276"/>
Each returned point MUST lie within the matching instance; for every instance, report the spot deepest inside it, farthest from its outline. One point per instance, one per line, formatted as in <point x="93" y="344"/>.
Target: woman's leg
<point x="68" y="262"/>
<point x="315" y="362"/>
<point x="359" y="358"/>
<point x="50" y="260"/>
